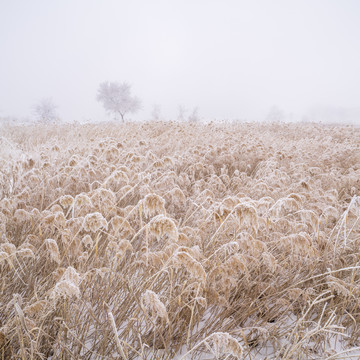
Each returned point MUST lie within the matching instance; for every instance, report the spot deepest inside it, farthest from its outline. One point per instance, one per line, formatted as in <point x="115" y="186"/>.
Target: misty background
<point x="232" y="59"/>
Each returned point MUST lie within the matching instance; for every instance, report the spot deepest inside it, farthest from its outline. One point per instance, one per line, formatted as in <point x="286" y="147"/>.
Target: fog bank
<point x="232" y="59"/>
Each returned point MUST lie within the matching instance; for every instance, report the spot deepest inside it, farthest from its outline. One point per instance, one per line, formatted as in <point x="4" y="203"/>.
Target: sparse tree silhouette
<point x="181" y="113"/>
<point x="45" y="111"/>
<point x="194" y="116"/>
<point x="275" y="114"/>
<point x="156" y="113"/>
<point x="117" y="99"/>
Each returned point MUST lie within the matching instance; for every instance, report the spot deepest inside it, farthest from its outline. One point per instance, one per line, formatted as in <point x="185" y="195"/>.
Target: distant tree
<point x="181" y="113"/>
<point x="194" y="116"/>
<point x="156" y="113"/>
<point x="45" y="111"/>
<point x="116" y="99"/>
<point x="275" y="114"/>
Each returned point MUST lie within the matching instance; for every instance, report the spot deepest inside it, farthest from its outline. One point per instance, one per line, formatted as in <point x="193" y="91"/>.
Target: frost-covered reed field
<point x="169" y="241"/>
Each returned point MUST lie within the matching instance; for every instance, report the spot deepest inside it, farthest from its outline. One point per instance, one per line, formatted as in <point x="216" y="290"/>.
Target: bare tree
<point x="156" y="113"/>
<point x="181" y="113"/>
<point x="45" y="111"/>
<point x="116" y="98"/>
<point x="194" y="116"/>
<point x="275" y="114"/>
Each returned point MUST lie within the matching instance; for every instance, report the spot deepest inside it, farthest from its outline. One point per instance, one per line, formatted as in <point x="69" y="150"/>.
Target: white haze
<point x="231" y="59"/>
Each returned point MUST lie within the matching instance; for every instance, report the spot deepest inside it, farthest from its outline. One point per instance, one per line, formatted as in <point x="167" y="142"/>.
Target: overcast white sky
<point x="231" y="58"/>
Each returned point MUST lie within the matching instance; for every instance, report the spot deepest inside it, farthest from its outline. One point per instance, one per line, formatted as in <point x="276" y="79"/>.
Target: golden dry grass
<point x="157" y="240"/>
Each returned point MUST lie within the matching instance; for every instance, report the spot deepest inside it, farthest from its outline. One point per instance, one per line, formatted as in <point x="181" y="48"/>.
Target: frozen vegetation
<point x="172" y="240"/>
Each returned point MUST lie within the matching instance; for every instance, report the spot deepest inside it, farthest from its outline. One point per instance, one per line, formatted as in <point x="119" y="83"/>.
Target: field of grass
<point x="170" y="241"/>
